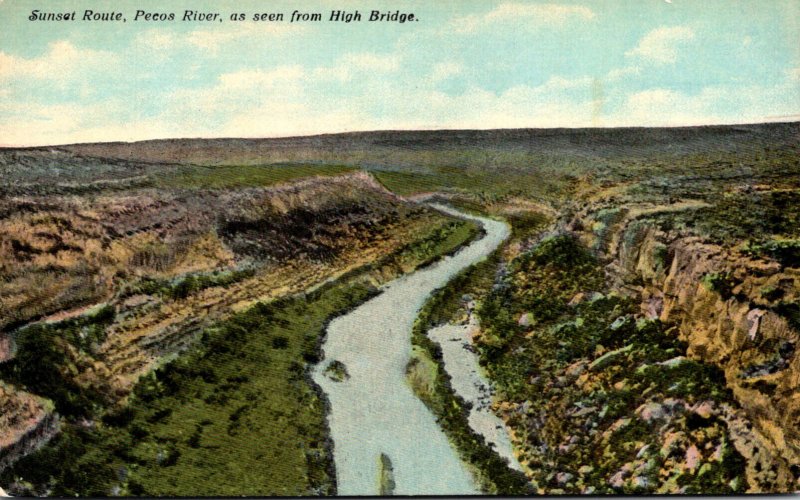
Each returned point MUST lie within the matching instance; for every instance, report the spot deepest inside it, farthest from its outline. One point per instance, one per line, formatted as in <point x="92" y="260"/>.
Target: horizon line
<point x="792" y="119"/>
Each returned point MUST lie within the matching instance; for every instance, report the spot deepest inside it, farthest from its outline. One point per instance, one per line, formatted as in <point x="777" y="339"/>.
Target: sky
<point x="461" y="64"/>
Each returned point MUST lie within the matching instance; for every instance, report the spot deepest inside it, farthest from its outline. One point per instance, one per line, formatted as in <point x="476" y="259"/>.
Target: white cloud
<point x="235" y="93"/>
<point x="353" y="65"/>
<point x="444" y="70"/>
<point x="27" y="123"/>
<point x="277" y="119"/>
<point x="254" y="79"/>
<point x="157" y="40"/>
<point x="333" y="73"/>
<point x="661" y="45"/>
<point x="285" y="101"/>
<point x="518" y="106"/>
<point x="621" y="73"/>
<point x="372" y="62"/>
<point x="557" y="83"/>
<point x="648" y="105"/>
<point x="712" y="104"/>
<point x="522" y="15"/>
<point x="61" y="61"/>
<point x="212" y="39"/>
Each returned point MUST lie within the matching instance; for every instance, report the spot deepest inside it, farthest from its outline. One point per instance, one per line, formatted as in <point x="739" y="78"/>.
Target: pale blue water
<point x="375" y="411"/>
<point x="469" y="382"/>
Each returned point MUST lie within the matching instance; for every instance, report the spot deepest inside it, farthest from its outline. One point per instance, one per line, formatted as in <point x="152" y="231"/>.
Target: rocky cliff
<point x="97" y="289"/>
<point x="734" y="310"/>
<point x="26" y="422"/>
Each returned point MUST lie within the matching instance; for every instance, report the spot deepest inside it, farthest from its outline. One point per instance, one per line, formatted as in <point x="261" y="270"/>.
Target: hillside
<point x="109" y="269"/>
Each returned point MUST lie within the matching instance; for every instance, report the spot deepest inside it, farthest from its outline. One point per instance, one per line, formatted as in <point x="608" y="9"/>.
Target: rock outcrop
<point x="6" y="346"/>
<point x="162" y="264"/>
<point x="731" y="309"/>
<point x="26" y="422"/>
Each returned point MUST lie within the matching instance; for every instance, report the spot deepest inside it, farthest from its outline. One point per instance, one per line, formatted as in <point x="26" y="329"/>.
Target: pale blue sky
<point x="465" y="64"/>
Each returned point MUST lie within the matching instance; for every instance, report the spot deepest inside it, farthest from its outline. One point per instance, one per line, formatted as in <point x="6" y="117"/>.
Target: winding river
<point x="374" y="411"/>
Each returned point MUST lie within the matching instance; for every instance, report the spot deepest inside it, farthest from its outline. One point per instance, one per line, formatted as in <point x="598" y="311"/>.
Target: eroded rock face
<point x="26" y="421"/>
<point x="727" y="307"/>
<point x="61" y="256"/>
<point x="64" y="252"/>
<point x="6" y="346"/>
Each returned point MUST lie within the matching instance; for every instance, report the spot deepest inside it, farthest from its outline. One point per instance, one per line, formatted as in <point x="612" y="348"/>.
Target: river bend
<point x="375" y="411"/>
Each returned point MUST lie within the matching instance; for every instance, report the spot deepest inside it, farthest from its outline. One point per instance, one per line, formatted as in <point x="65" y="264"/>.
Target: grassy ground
<point x="576" y="376"/>
<point x="235" y="415"/>
<point x="491" y="184"/>
<point x="231" y="177"/>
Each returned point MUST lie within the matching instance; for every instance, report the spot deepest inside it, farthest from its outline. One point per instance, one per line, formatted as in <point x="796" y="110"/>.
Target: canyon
<point x="638" y="327"/>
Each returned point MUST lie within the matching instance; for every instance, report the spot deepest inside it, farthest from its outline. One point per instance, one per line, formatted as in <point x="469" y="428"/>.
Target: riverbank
<point x="426" y="372"/>
<point x="430" y="381"/>
<point x="374" y="411"/>
<point x="237" y="414"/>
<point x="460" y="361"/>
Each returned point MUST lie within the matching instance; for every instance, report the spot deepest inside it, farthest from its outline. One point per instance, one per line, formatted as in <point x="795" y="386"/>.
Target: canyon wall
<point x="103" y="288"/>
<point x="26" y="422"/>
<point x="733" y="310"/>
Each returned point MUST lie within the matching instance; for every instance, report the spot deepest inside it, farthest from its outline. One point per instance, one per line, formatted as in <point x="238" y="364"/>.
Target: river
<point x="375" y="411"/>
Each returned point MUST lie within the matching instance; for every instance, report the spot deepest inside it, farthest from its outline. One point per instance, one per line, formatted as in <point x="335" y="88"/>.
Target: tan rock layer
<point x="736" y="331"/>
<point x="110" y="242"/>
<point x="26" y="422"/>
